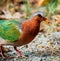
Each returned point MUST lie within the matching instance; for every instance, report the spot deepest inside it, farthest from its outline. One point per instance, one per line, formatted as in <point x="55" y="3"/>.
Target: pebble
<point x="39" y="49"/>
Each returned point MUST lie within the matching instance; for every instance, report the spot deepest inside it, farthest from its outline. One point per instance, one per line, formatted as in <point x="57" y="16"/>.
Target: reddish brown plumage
<point x="30" y="29"/>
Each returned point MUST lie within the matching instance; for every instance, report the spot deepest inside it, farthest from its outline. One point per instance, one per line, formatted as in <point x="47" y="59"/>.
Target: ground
<point x="42" y="48"/>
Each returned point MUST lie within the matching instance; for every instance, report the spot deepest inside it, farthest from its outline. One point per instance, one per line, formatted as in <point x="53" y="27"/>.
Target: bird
<point x="29" y="30"/>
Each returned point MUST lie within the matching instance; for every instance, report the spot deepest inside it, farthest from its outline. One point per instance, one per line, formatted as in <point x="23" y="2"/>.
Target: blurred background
<point x="46" y="46"/>
<point x="24" y="8"/>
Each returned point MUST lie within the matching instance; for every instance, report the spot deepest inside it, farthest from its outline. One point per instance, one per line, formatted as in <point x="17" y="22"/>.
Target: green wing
<point x="9" y="30"/>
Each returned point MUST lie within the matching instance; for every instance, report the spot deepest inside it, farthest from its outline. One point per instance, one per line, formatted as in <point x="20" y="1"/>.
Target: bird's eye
<point x="39" y="15"/>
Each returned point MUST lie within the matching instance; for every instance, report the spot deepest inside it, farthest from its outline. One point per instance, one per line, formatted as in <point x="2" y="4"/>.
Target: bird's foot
<point x="2" y="50"/>
<point x="3" y="55"/>
<point x="18" y="52"/>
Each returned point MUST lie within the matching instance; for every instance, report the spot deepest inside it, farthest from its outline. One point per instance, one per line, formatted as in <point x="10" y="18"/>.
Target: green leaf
<point x="9" y="31"/>
<point x="28" y="8"/>
<point x="51" y="7"/>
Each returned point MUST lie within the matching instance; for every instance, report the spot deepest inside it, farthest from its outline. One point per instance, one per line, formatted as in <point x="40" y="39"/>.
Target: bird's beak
<point x="47" y="21"/>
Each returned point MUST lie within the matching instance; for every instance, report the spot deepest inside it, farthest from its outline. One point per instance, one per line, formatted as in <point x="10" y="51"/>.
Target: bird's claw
<point x="3" y="56"/>
<point x="2" y="50"/>
<point x="6" y="57"/>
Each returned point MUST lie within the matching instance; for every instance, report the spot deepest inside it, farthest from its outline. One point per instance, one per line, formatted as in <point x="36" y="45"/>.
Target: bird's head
<point x="39" y="17"/>
<point x="42" y="18"/>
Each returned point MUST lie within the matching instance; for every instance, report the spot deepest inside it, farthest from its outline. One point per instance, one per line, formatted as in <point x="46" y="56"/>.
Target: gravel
<point x="42" y="48"/>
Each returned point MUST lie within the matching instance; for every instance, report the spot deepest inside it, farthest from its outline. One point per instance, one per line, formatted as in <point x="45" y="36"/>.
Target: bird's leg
<point x="2" y="52"/>
<point x="18" y="52"/>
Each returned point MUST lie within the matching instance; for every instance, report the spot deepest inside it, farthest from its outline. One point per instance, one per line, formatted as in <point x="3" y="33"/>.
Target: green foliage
<point x="51" y="7"/>
<point x="27" y="8"/>
<point x="9" y="31"/>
